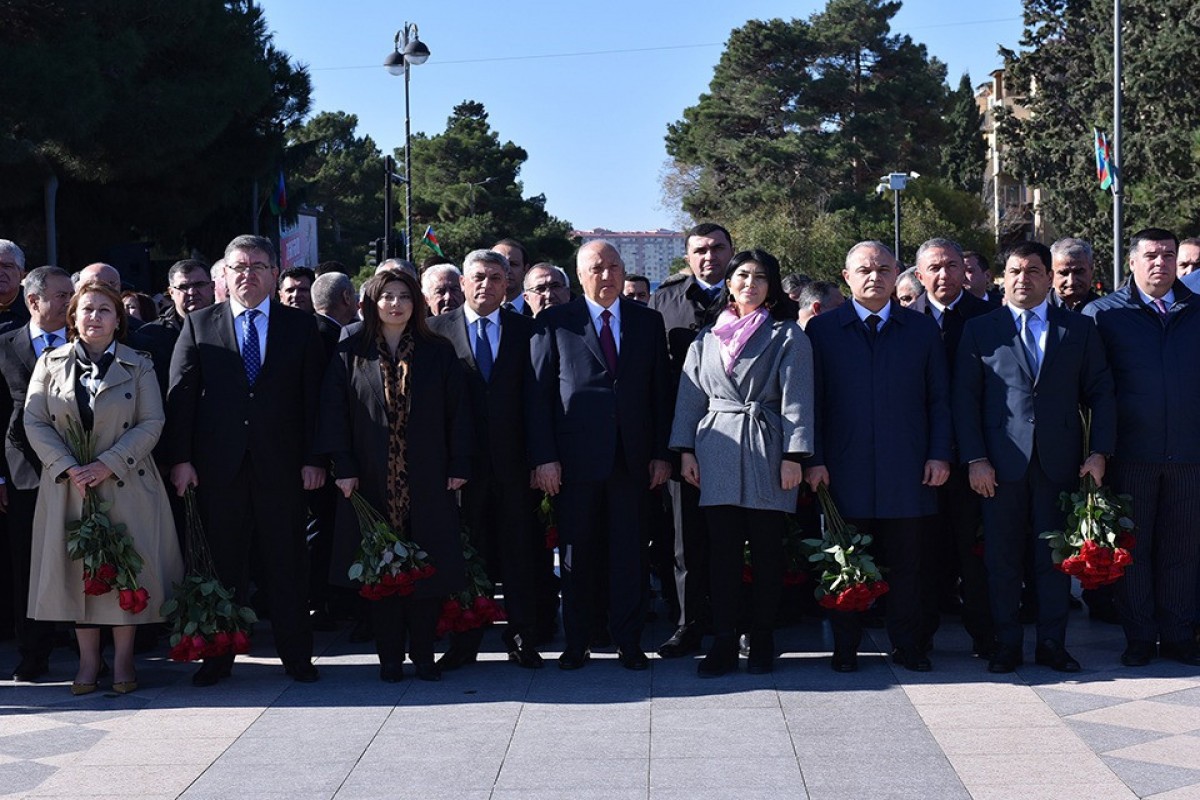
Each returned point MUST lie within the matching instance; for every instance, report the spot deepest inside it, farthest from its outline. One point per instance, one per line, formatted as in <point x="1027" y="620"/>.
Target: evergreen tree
<point x="964" y="154"/>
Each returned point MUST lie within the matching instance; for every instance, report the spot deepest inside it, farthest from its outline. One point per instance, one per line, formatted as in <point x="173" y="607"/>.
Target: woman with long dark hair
<point x="743" y="420"/>
<point x="395" y="397"/>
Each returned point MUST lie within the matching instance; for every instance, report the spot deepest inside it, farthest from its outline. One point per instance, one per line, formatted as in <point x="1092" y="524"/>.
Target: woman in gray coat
<point x="743" y="420"/>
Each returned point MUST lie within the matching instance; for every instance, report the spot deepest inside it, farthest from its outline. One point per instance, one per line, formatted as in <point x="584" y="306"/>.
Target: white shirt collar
<point x="864" y="312"/>
<point x="1039" y="311"/>
<point x="263" y="308"/>
<point x="941" y="309"/>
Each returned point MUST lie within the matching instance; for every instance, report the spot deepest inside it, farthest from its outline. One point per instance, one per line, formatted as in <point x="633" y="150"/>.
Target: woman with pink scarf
<point x="743" y="421"/>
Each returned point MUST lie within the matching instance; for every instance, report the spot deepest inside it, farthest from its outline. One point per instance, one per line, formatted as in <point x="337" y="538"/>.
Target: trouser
<point x="35" y="638"/>
<point x="691" y="552"/>
<point x="729" y="528"/>
<point x="405" y="624"/>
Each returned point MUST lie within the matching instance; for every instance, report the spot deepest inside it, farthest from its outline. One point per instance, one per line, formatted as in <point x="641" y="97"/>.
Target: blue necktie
<point x="51" y="341"/>
<point x="250" y="353"/>
<point x="1029" y="339"/>
<point x="483" y="350"/>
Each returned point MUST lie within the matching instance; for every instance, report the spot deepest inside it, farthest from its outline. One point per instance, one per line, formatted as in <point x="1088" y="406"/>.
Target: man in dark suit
<point x="13" y="311"/>
<point x="883" y="441"/>
<point x="597" y="423"/>
<point x="493" y="346"/>
<point x="688" y="301"/>
<point x="518" y="263"/>
<point x="1023" y="372"/>
<point x="942" y="271"/>
<point x="1072" y="270"/>
<point x="1150" y="328"/>
<point x="48" y="290"/>
<point x="241" y="411"/>
<point x="190" y="289"/>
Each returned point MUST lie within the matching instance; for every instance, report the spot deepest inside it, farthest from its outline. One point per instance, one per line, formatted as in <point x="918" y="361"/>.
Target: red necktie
<point x="608" y="344"/>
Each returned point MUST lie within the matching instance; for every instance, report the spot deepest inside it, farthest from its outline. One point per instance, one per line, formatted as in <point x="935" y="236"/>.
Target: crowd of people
<point x="678" y="430"/>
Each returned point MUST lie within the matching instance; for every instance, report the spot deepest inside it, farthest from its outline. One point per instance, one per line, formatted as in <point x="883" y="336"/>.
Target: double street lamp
<point x="897" y="182"/>
<point x="409" y="49"/>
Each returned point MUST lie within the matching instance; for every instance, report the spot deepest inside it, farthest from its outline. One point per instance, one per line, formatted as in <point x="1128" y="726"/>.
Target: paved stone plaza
<point x="496" y="731"/>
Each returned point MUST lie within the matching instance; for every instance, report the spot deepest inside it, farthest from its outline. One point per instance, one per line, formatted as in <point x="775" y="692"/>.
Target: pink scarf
<point x="733" y="332"/>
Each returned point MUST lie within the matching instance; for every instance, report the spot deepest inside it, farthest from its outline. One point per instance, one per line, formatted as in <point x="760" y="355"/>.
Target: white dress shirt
<point x="260" y="324"/>
<point x="492" y="331"/>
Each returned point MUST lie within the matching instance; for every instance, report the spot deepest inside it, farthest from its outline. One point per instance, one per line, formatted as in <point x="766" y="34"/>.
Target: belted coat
<point x="740" y="425"/>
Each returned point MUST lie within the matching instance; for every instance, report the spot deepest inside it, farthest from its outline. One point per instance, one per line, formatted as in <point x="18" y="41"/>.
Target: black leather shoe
<point x="521" y="652"/>
<point x="982" y="648"/>
<point x="684" y="642"/>
<point x="1053" y="655"/>
<point x="1139" y="654"/>
<point x="844" y="662"/>
<point x="210" y="672"/>
<point x="574" y="658"/>
<point x="1183" y="652"/>
<point x="912" y="659"/>
<point x="31" y="668"/>
<point x="762" y="653"/>
<point x="722" y="659"/>
<point x="391" y="673"/>
<point x="302" y="672"/>
<point x="1005" y="660"/>
<point x="456" y="657"/>
<point x="633" y="659"/>
<point x="429" y="671"/>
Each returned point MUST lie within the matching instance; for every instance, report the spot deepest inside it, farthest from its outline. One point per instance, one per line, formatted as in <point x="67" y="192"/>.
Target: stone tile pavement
<point x="495" y="731"/>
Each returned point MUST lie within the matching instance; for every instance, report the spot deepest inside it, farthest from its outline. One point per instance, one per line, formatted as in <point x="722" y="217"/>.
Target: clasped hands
<point x="548" y="477"/>
<point x="790" y="473"/>
<point x="88" y="476"/>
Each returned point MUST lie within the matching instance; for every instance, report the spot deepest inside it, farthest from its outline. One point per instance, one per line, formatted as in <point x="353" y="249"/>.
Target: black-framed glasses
<point x="546" y="288"/>
<point x="194" y="286"/>
<point x="254" y="266"/>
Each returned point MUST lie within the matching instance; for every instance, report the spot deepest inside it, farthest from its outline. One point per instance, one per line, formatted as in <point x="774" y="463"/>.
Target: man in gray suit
<point x="1023" y="371"/>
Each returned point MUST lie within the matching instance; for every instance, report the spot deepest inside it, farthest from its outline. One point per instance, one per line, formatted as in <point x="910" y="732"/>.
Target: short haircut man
<point x="546" y="285"/>
<point x="908" y="287"/>
<point x="326" y="267"/>
<point x="1188" y="259"/>
<point x="402" y="264"/>
<point x="637" y="288"/>
<point x="13" y="312"/>
<point x="1072" y="269"/>
<point x="333" y="297"/>
<point x="817" y="297"/>
<point x="295" y="288"/>
<point x="442" y="286"/>
<point x="1150" y="328"/>
<point x="794" y="283"/>
<point x="220" y="288"/>
<point x="518" y="262"/>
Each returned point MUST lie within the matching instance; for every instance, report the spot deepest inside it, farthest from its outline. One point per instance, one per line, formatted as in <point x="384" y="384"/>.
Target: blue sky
<point x="586" y="88"/>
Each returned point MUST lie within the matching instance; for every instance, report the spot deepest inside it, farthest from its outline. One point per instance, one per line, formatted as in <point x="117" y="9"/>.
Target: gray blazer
<point x="741" y="425"/>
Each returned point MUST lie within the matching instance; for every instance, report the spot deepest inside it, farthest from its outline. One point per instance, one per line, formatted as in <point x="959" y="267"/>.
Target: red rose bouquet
<point x="205" y="619"/>
<point x="546" y="515"/>
<point x="1097" y="544"/>
<point x="849" y="581"/>
<point x="473" y="607"/>
<point x="388" y="562"/>
<point x="795" y="554"/>
<point x="109" y="558"/>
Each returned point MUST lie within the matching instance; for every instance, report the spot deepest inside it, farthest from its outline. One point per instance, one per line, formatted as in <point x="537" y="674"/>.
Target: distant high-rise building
<point x="648" y="253"/>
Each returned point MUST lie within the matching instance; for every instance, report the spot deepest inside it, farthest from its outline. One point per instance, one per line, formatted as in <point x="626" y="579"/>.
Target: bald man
<point x="598" y="420"/>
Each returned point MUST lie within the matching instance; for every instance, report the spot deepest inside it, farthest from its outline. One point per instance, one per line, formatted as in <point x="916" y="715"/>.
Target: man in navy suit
<point x="1023" y="371"/>
<point x="492" y="344"/>
<point x="1150" y="328"/>
<point x="598" y="423"/>
<point x="241" y="419"/>
<point x="883" y="441"/>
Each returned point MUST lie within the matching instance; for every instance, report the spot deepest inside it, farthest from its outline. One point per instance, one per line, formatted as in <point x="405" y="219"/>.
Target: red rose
<point x="127" y="599"/>
<point x="551" y="537"/>
<point x="95" y="586"/>
<point x="828" y="601"/>
<point x="106" y="573"/>
<point x="879" y="588"/>
<point x="747" y="574"/>
<point x="427" y="571"/>
<point x="240" y="642"/>
<point x="481" y="603"/>
<point x="181" y="651"/>
<point x="1126" y="540"/>
<point x="1122" y="557"/>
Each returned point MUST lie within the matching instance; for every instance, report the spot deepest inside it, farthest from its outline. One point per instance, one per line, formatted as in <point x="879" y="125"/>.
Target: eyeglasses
<point x="194" y="286"/>
<point x="242" y="269"/>
<point x="546" y="288"/>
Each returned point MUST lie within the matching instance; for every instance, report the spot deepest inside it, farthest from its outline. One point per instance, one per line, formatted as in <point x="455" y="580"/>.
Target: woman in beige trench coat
<point x="95" y="372"/>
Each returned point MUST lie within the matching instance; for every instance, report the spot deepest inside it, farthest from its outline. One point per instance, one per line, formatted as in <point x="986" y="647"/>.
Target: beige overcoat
<point x="128" y="420"/>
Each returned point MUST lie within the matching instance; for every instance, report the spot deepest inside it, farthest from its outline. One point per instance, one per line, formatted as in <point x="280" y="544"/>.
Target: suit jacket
<point x="16" y="315"/>
<point x="577" y="411"/>
<point x="354" y="434"/>
<point x="1158" y="390"/>
<point x="215" y="418"/>
<point x="968" y="307"/>
<point x="685" y="309"/>
<point x="881" y="412"/>
<point x="1055" y="300"/>
<point x="17" y="360"/>
<point x="498" y="405"/>
<point x="1002" y="414"/>
<point x="331" y="333"/>
<point x="740" y="425"/>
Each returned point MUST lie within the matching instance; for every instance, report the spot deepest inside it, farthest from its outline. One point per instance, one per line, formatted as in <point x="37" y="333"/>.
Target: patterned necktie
<point x="608" y="344"/>
<point x="251" y="356"/>
<point x="483" y="350"/>
<point x="1030" y="340"/>
<point x="1161" y="308"/>
<point x="873" y="323"/>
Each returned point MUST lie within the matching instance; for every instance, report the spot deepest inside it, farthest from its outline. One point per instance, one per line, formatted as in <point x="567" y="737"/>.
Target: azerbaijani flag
<point x="1105" y="169"/>
<point x="279" y="196"/>
<point x="430" y="240"/>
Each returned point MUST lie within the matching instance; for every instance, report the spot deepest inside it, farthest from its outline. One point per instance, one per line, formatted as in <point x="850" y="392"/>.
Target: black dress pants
<point x="405" y="624"/>
<point x="729" y="528"/>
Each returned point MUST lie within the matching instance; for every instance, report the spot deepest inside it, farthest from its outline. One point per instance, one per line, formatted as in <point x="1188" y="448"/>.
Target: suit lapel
<point x="509" y="344"/>
<point x="223" y="325"/>
<point x="1056" y="331"/>
<point x="460" y="337"/>
<point x="23" y="346"/>
<point x="590" y="338"/>
<point x="277" y="339"/>
<point x="1010" y="333"/>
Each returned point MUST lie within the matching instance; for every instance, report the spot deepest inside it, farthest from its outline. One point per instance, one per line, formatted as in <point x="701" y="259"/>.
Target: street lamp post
<point x="897" y="182"/>
<point x="475" y="185"/>
<point x="409" y="49"/>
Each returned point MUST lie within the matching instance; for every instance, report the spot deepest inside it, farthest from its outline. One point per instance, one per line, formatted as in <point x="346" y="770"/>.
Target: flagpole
<point x="1117" y="179"/>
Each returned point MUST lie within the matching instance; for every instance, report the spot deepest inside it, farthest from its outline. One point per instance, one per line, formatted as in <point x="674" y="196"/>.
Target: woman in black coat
<point x="395" y="422"/>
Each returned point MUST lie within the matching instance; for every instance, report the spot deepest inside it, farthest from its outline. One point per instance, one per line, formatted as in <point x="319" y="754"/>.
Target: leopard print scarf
<point x="395" y="372"/>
